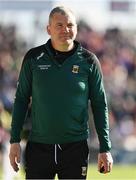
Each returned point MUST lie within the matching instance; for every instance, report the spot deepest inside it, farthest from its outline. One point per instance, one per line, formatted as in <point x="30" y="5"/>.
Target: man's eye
<point x="70" y="25"/>
<point x="59" y="25"/>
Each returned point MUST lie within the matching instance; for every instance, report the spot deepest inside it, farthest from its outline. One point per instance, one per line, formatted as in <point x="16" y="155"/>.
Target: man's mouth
<point x="65" y="37"/>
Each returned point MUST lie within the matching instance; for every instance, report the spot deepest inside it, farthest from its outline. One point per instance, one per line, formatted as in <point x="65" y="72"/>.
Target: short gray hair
<point x="60" y="9"/>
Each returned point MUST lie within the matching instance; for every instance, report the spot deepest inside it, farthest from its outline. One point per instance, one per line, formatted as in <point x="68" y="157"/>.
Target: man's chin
<point x="66" y="41"/>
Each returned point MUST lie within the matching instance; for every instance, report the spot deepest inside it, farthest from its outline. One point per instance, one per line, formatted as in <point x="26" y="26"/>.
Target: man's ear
<point x="48" y="29"/>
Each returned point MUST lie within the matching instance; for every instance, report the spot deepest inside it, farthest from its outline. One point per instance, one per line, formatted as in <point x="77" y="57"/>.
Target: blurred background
<point x="105" y="27"/>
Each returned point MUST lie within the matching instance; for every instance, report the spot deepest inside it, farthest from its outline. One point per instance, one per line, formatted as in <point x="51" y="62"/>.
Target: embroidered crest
<point x="75" y="69"/>
<point x="84" y="171"/>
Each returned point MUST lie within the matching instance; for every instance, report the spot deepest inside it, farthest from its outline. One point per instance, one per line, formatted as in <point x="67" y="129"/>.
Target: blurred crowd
<point x="116" y="51"/>
<point x="12" y="48"/>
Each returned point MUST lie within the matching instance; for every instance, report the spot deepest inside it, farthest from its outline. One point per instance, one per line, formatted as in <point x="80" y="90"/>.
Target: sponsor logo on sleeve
<point x="41" y="55"/>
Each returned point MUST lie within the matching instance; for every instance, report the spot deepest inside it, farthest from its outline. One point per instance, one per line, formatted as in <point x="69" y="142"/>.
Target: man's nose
<point x="65" y="29"/>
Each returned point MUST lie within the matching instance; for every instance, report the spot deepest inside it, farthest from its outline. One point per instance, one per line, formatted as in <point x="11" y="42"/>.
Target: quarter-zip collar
<point x="60" y="58"/>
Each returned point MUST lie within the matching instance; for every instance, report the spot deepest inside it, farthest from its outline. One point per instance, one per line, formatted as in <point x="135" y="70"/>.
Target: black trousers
<point x="67" y="161"/>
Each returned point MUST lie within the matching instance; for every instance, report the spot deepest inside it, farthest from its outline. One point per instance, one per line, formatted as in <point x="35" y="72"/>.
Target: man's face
<point x="62" y="29"/>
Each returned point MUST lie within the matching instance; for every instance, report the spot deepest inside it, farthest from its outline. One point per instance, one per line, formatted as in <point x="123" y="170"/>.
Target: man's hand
<point x="105" y="162"/>
<point x="14" y="155"/>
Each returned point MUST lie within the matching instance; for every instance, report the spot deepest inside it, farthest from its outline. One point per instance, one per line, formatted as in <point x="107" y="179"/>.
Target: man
<point x="61" y="77"/>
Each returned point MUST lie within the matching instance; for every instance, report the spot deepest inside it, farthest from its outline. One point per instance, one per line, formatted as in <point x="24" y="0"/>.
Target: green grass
<point x="0" y="174"/>
<point x="119" y="172"/>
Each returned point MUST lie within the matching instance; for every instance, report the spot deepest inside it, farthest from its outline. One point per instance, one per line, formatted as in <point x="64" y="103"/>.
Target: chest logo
<point x="75" y="69"/>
